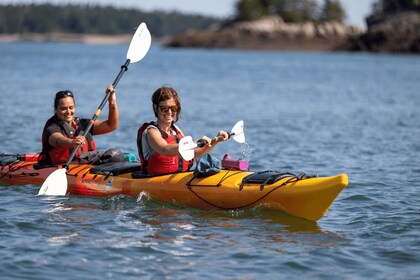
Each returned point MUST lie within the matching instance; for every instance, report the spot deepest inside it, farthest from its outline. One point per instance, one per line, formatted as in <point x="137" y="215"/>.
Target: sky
<point x="356" y="10"/>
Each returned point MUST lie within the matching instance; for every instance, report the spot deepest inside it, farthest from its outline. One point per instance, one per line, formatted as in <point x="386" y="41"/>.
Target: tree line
<point x="384" y="7"/>
<point x="311" y="10"/>
<point x="93" y="19"/>
<point x="291" y="10"/>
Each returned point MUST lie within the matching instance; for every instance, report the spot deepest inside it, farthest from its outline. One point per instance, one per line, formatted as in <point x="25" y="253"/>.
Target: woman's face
<point x="167" y="111"/>
<point x="65" y="109"/>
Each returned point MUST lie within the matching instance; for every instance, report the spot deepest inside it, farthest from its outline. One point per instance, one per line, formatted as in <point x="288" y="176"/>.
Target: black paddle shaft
<point x="124" y="68"/>
<point x="201" y="143"/>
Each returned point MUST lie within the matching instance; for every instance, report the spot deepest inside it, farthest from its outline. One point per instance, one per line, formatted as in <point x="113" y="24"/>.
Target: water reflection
<point x="122" y="222"/>
<point x="175" y="237"/>
<point x="178" y="231"/>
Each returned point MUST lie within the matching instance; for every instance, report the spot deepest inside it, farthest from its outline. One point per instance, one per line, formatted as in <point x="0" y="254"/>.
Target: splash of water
<point x="246" y="151"/>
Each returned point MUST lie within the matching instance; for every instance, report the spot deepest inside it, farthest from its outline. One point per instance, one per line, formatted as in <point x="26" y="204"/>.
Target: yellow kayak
<point x="300" y="196"/>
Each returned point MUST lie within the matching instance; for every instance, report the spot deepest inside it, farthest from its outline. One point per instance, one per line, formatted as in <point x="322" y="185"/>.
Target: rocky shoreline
<point x="396" y="33"/>
<point x="270" y="33"/>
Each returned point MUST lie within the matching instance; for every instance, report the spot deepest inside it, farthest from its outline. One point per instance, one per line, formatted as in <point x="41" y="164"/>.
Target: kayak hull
<point x="308" y="198"/>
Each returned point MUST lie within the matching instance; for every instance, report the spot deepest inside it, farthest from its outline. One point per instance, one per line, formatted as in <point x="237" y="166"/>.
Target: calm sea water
<point x="319" y="113"/>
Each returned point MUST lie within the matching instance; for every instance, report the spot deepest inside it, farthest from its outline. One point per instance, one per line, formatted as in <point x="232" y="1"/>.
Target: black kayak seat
<point x="111" y="168"/>
<point x="40" y="166"/>
<point x="139" y="174"/>
<point x="115" y="168"/>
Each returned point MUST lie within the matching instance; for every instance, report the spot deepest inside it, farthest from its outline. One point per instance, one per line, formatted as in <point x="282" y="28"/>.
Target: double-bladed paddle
<point x="187" y="145"/>
<point x="21" y="156"/>
<point x="56" y="182"/>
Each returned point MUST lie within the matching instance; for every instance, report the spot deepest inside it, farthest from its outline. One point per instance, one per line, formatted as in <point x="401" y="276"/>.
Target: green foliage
<point x="297" y="11"/>
<point x="290" y="10"/>
<point x="395" y="6"/>
<point x="333" y="10"/>
<point x="250" y="9"/>
<point x="46" y="18"/>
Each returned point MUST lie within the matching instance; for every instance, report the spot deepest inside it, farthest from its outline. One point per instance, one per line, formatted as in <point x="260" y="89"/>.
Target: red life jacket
<point x="157" y="163"/>
<point x="55" y="155"/>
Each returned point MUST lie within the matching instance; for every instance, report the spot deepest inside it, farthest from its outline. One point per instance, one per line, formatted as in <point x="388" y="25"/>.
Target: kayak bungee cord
<point x="13" y="169"/>
<point x="293" y="178"/>
<point x="17" y="158"/>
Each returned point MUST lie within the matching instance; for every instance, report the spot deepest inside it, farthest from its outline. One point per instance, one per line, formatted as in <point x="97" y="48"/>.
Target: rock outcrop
<point x="396" y="33"/>
<point x="270" y="33"/>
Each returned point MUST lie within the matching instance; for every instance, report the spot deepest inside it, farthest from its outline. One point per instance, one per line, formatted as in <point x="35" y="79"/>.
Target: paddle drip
<point x="246" y="151"/>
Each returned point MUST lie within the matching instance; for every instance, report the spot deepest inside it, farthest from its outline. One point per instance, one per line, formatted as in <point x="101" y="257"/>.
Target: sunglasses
<point x="165" y="109"/>
<point x="63" y="93"/>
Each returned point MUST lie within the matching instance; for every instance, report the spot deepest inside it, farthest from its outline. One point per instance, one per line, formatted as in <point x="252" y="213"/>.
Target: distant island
<point x="393" y="27"/>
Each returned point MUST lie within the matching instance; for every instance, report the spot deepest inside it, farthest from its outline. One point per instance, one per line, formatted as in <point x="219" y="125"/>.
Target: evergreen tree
<point x="45" y="18"/>
<point x="395" y="6"/>
<point x="332" y="10"/>
<point x="291" y="10"/>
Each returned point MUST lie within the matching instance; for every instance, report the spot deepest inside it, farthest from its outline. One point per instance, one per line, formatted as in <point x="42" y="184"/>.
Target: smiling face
<point x="166" y="104"/>
<point x="65" y="109"/>
<point x="167" y="111"/>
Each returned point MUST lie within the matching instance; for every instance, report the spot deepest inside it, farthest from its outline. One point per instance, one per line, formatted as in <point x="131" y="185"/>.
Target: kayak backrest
<point x="115" y="168"/>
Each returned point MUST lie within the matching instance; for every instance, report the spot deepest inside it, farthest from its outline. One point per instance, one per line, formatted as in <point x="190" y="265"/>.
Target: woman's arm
<point x="210" y="144"/>
<point x="105" y="126"/>
<point x="159" y="145"/>
<point x="57" y="139"/>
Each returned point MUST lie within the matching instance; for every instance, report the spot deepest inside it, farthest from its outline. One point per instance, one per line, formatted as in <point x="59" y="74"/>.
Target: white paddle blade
<point x="55" y="184"/>
<point x="140" y="44"/>
<point x="238" y="132"/>
<point x="186" y="147"/>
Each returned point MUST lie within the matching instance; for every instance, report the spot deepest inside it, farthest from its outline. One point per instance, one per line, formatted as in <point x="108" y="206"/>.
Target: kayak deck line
<point x="308" y="197"/>
<point x="264" y="177"/>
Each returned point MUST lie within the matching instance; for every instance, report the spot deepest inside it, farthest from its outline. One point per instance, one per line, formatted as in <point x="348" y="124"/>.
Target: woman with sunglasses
<point x="63" y="131"/>
<point x="157" y="141"/>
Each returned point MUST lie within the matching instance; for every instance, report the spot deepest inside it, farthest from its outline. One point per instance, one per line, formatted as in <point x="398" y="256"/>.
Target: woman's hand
<point x="105" y="126"/>
<point x="221" y="136"/>
<point x="206" y="140"/>
<point x="60" y="140"/>
<point x="112" y="97"/>
<point x="208" y="147"/>
<point x="78" y="140"/>
<point x="224" y="136"/>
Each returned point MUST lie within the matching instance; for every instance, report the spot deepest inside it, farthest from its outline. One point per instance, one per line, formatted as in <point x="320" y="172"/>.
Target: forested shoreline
<point x="93" y="19"/>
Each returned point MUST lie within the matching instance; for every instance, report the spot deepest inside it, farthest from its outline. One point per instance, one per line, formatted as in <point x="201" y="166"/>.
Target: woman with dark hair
<point x="63" y="131"/>
<point x="157" y="141"/>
